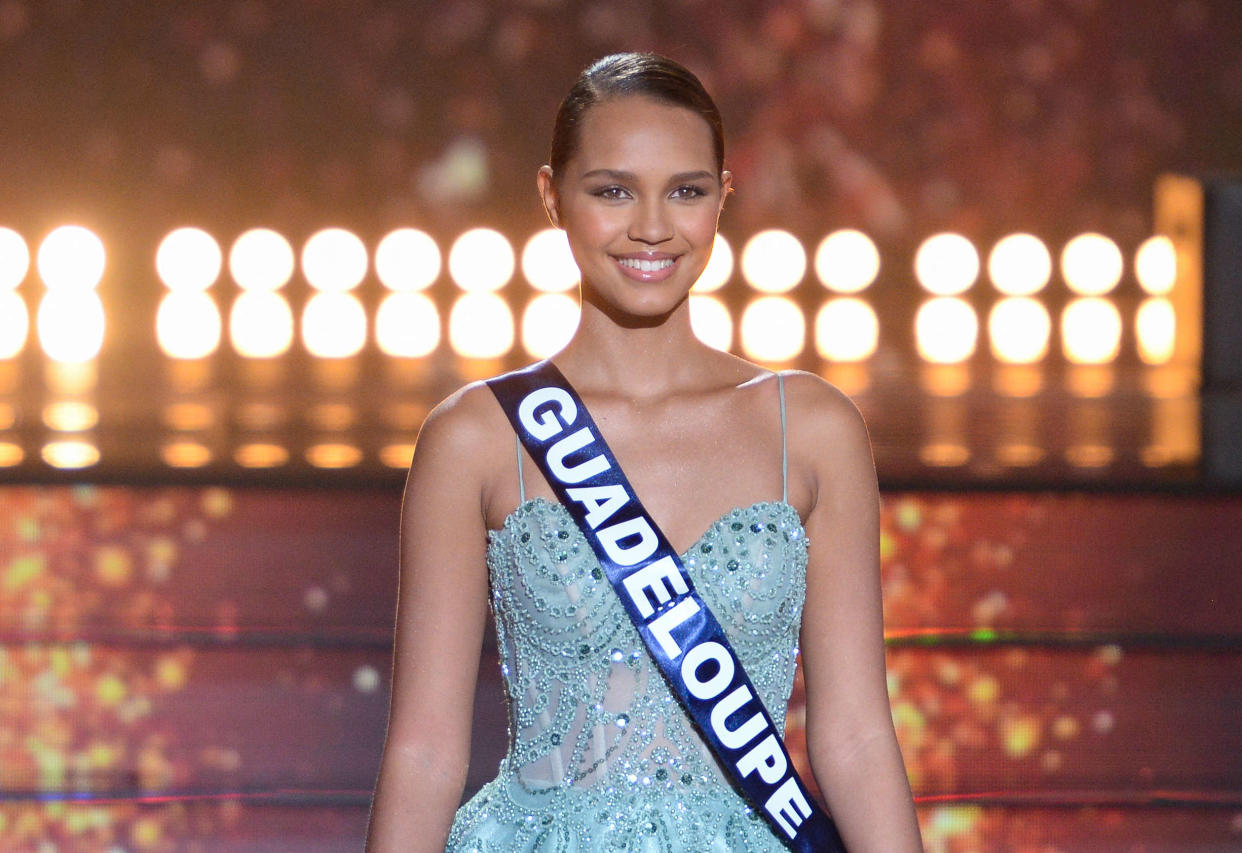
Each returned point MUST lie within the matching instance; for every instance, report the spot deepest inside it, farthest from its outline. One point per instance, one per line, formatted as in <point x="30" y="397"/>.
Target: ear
<point x="726" y="187"/>
<point x="547" y="192"/>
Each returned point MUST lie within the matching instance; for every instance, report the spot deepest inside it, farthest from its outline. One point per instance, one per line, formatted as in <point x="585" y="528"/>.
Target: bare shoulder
<point x="817" y="407"/>
<point x="463" y="419"/>
<point x="461" y="437"/>
<point x="828" y="440"/>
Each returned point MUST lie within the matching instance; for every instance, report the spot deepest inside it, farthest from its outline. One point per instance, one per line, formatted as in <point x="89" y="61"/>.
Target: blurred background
<point x="245" y="246"/>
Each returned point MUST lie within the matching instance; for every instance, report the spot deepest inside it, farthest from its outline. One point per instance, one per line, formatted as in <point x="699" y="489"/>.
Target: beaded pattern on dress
<point x="601" y="754"/>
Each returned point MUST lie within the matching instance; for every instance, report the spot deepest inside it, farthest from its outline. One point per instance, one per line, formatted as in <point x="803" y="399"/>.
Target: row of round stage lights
<point x="481" y="324"/>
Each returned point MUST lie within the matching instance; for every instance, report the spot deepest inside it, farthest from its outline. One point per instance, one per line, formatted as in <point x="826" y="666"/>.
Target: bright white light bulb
<point x="547" y="262"/>
<point x="946" y="330"/>
<point x="1020" y="265"/>
<point x="1155" y="265"/>
<point x="14" y="259"/>
<point x="481" y="260"/>
<point x="711" y="321"/>
<point x="1091" y="264"/>
<point x="773" y="329"/>
<point x="847" y="261"/>
<point x="407" y="325"/>
<point x="188" y="324"/>
<point x="946" y="264"/>
<point x="548" y="323"/>
<point x="719" y="268"/>
<point x="1018" y="330"/>
<point x="773" y="261"/>
<point x="261" y="260"/>
<point x="334" y="260"/>
<point x="481" y="326"/>
<point x="71" y="258"/>
<point x="846" y="329"/>
<point x="261" y="324"/>
<point x="188" y="259"/>
<point x="407" y="259"/>
<point x="71" y="325"/>
<point x="334" y="325"/>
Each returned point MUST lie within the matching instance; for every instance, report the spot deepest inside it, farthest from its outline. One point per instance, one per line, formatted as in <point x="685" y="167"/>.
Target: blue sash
<point x="681" y="634"/>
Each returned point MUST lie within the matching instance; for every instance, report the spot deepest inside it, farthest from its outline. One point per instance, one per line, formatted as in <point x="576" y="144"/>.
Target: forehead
<point x="637" y="133"/>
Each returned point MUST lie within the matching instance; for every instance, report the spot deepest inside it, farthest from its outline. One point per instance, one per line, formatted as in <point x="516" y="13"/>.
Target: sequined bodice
<point x="601" y="754"/>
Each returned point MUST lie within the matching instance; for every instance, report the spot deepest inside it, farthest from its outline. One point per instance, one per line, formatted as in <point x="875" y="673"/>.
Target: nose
<point x="651" y="223"/>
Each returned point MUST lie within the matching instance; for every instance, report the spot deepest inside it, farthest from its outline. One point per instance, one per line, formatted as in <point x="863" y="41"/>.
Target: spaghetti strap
<point x="780" y="385"/>
<point x="521" y="479"/>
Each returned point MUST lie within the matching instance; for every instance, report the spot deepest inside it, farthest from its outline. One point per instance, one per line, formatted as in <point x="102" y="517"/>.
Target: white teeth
<point x="646" y="266"/>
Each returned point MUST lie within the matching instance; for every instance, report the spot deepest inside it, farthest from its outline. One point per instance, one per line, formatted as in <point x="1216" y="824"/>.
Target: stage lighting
<point x="185" y="454"/>
<point x="71" y="325"/>
<point x="188" y="417"/>
<point x="71" y="258"/>
<point x="847" y="261"/>
<point x="70" y="453"/>
<point x="946" y="330"/>
<point x="1019" y="265"/>
<point x="70" y="416"/>
<point x="188" y="325"/>
<point x="773" y="329"/>
<point x="261" y="455"/>
<point x="1091" y="264"/>
<point x="846" y="329"/>
<point x="711" y="321"/>
<point x="719" y="267"/>
<point x="481" y="260"/>
<point x="261" y="324"/>
<point x="14" y="324"/>
<point x="1155" y="328"/>
<point x="261" y="260"/>
<point x="407" y="325"/>
<point x="14" y="259"/>
<point x="1155" y="265"/>
<point x="188" y="259"/>
<point x="946" y="264"/>
<point x="407" y="259"/>
<point x="480" y="326"/>
<point x="548" y="323"/>
<point x="773" y="261"/>
<point x="547" y="262"/>
<point x="333" y="455"/>
<point x="334" y="260"/>
<point x="1018" y="330"/>
<point x="397" y="455"/>
<point x="1090" y="331"/>
<point x="11" y="454"/>
<point x="334" y="325"/>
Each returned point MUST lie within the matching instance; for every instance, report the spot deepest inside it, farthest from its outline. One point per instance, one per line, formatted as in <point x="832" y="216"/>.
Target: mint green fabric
<point x="601" y="755"/>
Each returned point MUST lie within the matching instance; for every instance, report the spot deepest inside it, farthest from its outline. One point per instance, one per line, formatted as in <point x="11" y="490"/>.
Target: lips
<point x="647" y="268"/>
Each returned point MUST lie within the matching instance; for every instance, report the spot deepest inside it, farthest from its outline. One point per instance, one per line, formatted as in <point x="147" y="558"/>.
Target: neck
<point x="634" y="360"/>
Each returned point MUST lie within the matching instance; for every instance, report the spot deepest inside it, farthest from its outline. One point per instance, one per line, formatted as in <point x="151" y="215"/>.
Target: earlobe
<point x="547" y="192"/>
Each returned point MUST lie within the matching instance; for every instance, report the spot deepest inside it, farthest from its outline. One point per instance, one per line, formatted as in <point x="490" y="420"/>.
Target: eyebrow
<point x="680" y="177"/>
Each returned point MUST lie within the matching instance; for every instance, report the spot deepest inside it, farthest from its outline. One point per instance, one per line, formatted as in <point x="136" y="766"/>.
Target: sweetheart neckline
<point x="511" y="518"/>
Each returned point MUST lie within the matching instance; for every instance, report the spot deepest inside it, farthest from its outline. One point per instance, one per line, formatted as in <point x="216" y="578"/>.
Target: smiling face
<point x="639" y="202"/>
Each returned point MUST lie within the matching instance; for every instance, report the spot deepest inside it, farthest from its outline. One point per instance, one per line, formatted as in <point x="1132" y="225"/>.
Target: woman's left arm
<point x="849" y="727"/>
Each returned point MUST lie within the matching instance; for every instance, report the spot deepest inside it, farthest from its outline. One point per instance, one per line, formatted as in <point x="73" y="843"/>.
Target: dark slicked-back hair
<point x="647" y="74"/>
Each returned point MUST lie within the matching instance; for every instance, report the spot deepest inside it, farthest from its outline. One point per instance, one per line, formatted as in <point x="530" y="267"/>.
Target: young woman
<point x="763" y="483"/>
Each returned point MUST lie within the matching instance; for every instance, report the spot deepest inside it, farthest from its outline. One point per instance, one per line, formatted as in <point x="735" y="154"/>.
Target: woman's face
<point x="639" y="202"/>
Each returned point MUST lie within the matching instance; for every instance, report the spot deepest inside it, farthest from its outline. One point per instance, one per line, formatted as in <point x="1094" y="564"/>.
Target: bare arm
<point x="850" y="738"/>
<point x="441" y="616"/>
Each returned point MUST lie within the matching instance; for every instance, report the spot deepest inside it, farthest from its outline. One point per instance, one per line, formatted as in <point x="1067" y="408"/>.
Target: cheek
<point x="699" y="226"/>
<point x="590" y="229"/>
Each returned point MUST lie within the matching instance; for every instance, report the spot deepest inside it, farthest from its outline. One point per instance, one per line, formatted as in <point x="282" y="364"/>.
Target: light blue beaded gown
<point x="601" y="755"/>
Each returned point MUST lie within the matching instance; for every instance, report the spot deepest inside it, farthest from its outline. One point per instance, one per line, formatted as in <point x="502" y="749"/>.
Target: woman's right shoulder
<point x="465" y="424"/>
